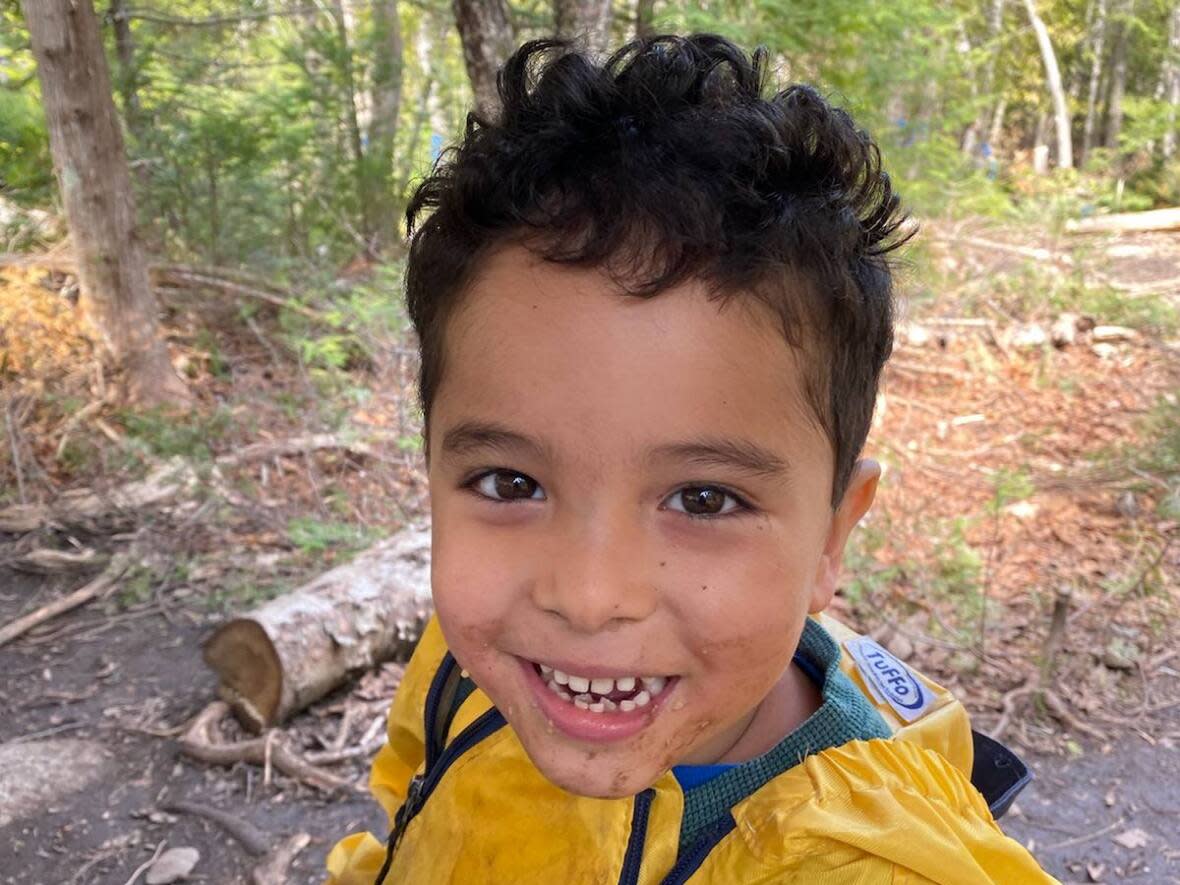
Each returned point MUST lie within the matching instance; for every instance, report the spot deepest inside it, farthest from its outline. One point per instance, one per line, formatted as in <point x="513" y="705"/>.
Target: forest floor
<point x="1020" y="477"/>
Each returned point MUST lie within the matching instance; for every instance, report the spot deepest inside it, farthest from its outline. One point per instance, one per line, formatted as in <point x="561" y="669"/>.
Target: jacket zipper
<point x="422" y="785"/>
<point x="633" y="858"/>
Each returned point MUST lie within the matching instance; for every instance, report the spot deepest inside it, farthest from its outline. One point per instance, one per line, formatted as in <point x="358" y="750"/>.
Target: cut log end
<point x="249" y="671"/>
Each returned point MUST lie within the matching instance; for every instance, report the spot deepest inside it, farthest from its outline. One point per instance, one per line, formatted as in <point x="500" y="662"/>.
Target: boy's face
<point x="626" y="488"/>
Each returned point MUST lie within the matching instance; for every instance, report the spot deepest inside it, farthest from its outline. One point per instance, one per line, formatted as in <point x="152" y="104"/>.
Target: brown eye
<point x="508" y="485"/>
<point x="703" y="501"/>
<point x="514" y="485"/>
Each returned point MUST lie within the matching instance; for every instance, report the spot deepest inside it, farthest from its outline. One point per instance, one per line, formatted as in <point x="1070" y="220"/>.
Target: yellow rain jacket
<point x="468" y="807"/>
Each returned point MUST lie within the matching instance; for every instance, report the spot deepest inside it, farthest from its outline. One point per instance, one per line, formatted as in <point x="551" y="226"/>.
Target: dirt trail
<point x="145" y="673"/>
<point x="1110" y="814"/>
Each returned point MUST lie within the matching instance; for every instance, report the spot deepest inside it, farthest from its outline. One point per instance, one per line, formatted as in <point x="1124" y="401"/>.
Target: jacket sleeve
<point x="914" y="816"/>
<point x="357" y="858"/>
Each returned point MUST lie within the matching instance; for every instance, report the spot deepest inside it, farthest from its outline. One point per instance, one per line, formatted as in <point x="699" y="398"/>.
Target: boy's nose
<point x="597" y="577"/>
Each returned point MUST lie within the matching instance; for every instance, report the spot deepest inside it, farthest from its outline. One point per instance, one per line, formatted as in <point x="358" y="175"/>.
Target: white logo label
<point x="889" y="680"/>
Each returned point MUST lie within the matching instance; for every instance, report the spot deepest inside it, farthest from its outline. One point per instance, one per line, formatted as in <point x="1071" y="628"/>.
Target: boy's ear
<point x="858" y="498"/>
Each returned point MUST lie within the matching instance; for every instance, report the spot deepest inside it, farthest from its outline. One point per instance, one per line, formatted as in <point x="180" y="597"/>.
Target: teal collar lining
<point x="845" y="715"/>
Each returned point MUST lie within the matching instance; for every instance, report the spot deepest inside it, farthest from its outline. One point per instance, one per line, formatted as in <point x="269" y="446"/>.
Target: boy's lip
<point x="585" y="725"/>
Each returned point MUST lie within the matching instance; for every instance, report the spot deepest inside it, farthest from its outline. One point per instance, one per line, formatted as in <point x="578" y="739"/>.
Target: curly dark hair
<point x="666" y="163"/>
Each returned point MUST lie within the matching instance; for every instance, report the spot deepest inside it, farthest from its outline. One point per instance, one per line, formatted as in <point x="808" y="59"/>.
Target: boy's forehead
<point x="514" y="276"/>
<point x="562" y="351"/>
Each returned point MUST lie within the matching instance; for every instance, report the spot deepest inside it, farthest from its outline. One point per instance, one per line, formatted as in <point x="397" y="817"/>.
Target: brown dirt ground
<point x="1011" y="474"/>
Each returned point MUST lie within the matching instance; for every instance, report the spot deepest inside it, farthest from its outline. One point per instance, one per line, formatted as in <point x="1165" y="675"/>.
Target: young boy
<point x="653" y="307"/>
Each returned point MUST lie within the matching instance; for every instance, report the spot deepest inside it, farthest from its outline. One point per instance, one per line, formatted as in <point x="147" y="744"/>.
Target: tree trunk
<point x="996" y="130"/>
<point x="1097" y="45"/>
<point x="279" y="658"/>
<point x="356" y="142"/>
<point x="128" y="77"/>
<point x="1172" y="82"/>
<point x="995" y="25"/>
<point x="488" y="38"/>
<point x="1040" y="147"/>
<point x="95" y="185"/>
<point x="1118" y="84"/>
<point x="645" y="16"/>
<point x="213" y="194"/>
<point x="1053" y="76"/>
<point x="387" y="98"/>
<point x="586" y="22"/>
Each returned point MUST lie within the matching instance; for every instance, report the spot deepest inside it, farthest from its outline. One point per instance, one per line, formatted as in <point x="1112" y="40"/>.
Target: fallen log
<point x="85" y="507"/>
<point x="275" y="660"/>
<point x="1127" y="222"/>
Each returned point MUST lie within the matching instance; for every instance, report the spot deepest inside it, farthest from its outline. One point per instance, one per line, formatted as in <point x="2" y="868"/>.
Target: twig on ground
<point x="1078" y="840"/>
<point x="83" y="414"/>
<point x="201" y="743"/>
<point x="369" y="743"/>
<point x="1008" y="703"/>
<point x="1059" y="710"/>
<point x="267" y="744"/>
<point x="100" y="586"/>
<point x="143" y="867"/>
<point x="273" y="869"/>
<point x="298" y="445"/>
<point x="252" y="838"/>
<point x="47" y="561"/>
<point x="46" y="732"/>
<point x="915" y="369"/>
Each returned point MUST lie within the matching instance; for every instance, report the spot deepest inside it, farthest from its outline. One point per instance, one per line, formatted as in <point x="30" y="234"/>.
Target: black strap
<point x="440" y="708"/>
<point x="998" y="773"/>
<point x="439" y="713"/>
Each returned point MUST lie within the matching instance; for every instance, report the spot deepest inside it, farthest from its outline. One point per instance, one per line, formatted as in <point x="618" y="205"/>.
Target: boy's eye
<point x="703" y="501"/>
<point x="508" y="485"/>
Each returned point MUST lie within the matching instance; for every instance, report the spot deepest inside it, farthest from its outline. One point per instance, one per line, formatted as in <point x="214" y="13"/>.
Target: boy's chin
<point x="595" y="775"/>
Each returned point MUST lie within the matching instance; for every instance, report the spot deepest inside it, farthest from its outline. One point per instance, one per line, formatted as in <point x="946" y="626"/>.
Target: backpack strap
<point x="442" y="701"/>
<point x="447" y="691"/>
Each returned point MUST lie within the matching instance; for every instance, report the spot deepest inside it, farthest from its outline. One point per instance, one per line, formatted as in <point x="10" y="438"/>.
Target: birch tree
<point x="1056" y="91"/>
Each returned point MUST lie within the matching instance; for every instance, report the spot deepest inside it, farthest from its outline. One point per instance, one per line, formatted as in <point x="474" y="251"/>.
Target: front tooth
<point x="589" y="699"/>
<point x="626" y="705"/>
<point x="654" y="684"/>
<point x="579" y="684"/>
<point x="627" y="683"/>
<point x="602" y="686"/>
<point x="609" y="705"/>
<point x="597" y="707"/>
<point x="581" y="703"/>
<point x="560" y="677"/>
<point x="642" y="699"/>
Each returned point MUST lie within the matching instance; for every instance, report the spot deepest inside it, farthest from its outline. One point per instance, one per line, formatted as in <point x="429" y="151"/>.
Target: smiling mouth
<point x="623" y="694"/>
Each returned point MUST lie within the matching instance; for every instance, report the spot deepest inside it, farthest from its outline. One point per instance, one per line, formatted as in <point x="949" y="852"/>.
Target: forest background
<point x="231" y="412"/>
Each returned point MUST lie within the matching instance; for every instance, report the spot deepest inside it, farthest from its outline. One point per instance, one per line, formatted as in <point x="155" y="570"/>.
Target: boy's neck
<point x="788" y="705"/>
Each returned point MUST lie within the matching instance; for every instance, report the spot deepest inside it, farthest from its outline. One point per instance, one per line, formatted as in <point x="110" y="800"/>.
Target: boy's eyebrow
<point x="741" y="454"/>
<point x="468" y="436"/>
